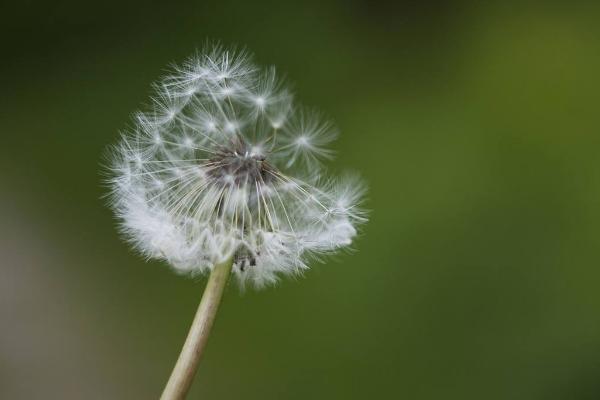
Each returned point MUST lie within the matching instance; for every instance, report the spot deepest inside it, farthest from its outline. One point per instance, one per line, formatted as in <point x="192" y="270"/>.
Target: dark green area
<point x="476" y="126"/>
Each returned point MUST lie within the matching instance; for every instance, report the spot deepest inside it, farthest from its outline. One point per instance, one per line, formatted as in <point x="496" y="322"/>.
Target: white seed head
<point x="224" y="165"/>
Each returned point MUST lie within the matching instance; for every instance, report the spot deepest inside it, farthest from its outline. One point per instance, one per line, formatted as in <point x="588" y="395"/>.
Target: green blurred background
<point x="476" y="125"/>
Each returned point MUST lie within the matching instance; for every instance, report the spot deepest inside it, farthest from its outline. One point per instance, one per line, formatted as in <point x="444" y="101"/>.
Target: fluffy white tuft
<point x="224" y="165"/>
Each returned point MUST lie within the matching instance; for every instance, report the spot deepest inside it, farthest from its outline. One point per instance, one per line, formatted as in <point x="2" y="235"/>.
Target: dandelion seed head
<point x="225" y="166"/>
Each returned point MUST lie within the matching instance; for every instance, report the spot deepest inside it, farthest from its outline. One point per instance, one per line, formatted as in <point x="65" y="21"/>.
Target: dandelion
<point x="224" y="175"/>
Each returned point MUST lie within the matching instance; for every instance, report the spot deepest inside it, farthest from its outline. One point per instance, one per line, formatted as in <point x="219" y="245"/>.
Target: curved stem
<point x="181" y="378"/>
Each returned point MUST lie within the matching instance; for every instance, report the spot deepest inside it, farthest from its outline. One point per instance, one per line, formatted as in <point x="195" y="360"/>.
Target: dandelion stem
<point x="181" y="378"/>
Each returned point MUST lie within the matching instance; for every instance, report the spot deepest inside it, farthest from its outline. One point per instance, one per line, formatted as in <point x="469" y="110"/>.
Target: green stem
<point x="181" y="378"/>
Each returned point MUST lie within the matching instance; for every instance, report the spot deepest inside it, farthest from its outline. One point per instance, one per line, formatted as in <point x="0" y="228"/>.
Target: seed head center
<point x="240" y="164"/>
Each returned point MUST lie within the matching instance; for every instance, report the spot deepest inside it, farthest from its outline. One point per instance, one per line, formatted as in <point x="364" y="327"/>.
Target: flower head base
<point x="224" y="165"/>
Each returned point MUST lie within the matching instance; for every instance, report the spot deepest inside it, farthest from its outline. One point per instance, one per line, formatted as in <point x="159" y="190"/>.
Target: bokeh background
<point x="476" y="125"/>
